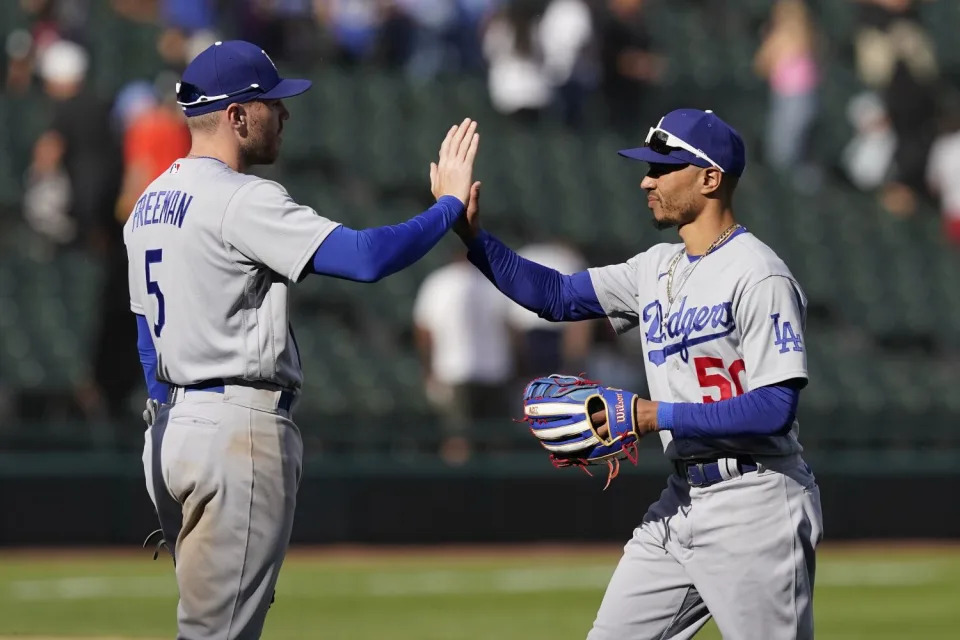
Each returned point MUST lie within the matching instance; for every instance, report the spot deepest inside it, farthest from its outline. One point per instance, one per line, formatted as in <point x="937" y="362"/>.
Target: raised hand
<point x="452" y="174"/>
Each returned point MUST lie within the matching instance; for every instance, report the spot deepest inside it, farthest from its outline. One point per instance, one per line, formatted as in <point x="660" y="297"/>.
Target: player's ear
<point x="710" y="181"/>
<point x="237" y="117"/>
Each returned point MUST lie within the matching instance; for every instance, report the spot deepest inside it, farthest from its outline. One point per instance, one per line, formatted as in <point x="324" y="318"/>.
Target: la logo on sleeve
<point x="786" y="336"/>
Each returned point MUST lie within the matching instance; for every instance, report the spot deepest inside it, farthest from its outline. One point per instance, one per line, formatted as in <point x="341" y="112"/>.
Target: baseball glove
<point x="562" y="412"/>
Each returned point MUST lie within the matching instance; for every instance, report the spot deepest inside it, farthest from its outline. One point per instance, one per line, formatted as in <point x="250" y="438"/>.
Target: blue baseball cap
<point x="232" y="71"/>
<point x="691" y="136"/>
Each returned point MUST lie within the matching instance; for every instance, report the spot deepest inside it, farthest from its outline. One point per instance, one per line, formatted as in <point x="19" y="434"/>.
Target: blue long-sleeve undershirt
<point x="762" y="411"/>
<point x="148" y="359"/>
<point x="372" y="254"/>
<point x="547" y="292"/>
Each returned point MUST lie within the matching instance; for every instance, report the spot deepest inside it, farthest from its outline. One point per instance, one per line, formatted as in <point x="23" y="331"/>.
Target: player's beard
<point x="674" y="212"/>
<point x="260" y="146"/>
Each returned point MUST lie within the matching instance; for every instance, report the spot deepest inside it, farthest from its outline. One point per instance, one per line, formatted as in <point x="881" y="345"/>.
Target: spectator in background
<point x="286" y="28"/>
<point x="354" y="26"/>
<point x="155" y="134"/>
<point x="787" y="61"/>
<point x="630" y="67"/>
<point x="545" y="347"/>
<point x="868" y="158"/>
<point x="20" y="61"/>
<point x="473" y="16"/>
<point x="896" y="57"/>
<point x="434" y="31"/>
<point x="518" y="80"/>
<point x="49" y="21"/>
<point x="566" y="32"/>
<point x="461" y="334"/>
<point x="189" y="28"/>
<point x="53" y="20"/>
<point x="911" y="102"/>
<point x="943" y="170"/>
<point x="888" y="32"/>
<point x="190" y="16"/>
<point x="78" y="144"/>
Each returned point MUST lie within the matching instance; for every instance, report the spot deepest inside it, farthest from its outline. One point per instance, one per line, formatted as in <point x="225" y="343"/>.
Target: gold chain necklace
<point x="676" y="260"/>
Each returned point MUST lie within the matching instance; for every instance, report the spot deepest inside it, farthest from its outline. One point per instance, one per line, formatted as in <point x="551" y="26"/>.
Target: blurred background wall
<point x="851" y="114"/>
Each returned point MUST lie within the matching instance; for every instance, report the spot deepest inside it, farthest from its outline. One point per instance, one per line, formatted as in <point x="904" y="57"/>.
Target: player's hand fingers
<point x="453" y="149"/>
<point x="599" y="418"/>
<point x="446" y="142"/>
<point x="468" y="135"/>
<point x="472" y="148"/>
<point x="473" y="206"/>
<point x="433" y="175"/>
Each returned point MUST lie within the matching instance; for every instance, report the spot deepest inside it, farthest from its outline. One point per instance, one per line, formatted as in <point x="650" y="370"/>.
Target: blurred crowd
<point x="543" y="60"/>
<point x="546" y="58"/>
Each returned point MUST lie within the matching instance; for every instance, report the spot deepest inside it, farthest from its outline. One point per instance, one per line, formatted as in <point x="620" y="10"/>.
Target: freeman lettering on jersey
<point x="161" y="207"/>
<point x="685" y="323"/>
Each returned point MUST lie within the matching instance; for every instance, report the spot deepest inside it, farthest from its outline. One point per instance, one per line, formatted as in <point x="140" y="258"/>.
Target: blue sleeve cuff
<point x="453" y="205"/>
<point x="665" y="416"/>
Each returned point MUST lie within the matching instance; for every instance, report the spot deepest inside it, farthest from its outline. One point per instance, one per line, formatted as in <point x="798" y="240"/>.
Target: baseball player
<point x="734" y="533"/>
<point x="212" y="255"/>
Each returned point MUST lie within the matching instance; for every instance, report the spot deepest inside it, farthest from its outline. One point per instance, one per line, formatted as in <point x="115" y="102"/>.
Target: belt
<point x="218" y="385"/>
<point x="703" y="473"/>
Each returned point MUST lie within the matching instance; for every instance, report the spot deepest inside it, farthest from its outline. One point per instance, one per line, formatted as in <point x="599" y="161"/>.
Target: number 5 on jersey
<point x="719" y="380"/>
<point x="155" y="256"/>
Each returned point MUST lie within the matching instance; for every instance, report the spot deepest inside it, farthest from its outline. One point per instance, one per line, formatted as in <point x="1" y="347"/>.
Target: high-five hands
<point x="452" y="174"/>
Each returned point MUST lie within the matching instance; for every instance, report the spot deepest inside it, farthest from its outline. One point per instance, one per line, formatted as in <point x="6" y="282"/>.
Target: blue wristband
<point x="664" y="416"/>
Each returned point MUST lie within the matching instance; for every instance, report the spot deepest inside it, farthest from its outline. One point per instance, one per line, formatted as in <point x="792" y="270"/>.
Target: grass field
<point x="471" y="594"/>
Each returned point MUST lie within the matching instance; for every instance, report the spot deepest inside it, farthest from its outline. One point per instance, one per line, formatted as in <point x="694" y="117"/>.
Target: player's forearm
<point x="372" y="254"/>
<point x="762" y="411"/>
<point x="548" y="293"/>
<point x="148" y="359"/>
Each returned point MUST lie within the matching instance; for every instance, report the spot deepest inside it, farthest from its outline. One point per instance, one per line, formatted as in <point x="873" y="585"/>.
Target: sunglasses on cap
<point x="189" y="95"/>
<point x="663" y="142"/>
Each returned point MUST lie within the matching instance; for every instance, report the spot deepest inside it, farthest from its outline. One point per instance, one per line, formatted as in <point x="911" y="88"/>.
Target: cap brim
<point x="286" y="88"/>
<point x="646" y="154"/>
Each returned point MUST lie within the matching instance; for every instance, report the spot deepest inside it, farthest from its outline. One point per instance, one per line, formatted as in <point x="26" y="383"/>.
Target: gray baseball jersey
<point x="735" y="323"/>
<point x="742" y="550"/>
<point x="212" y="254"/>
